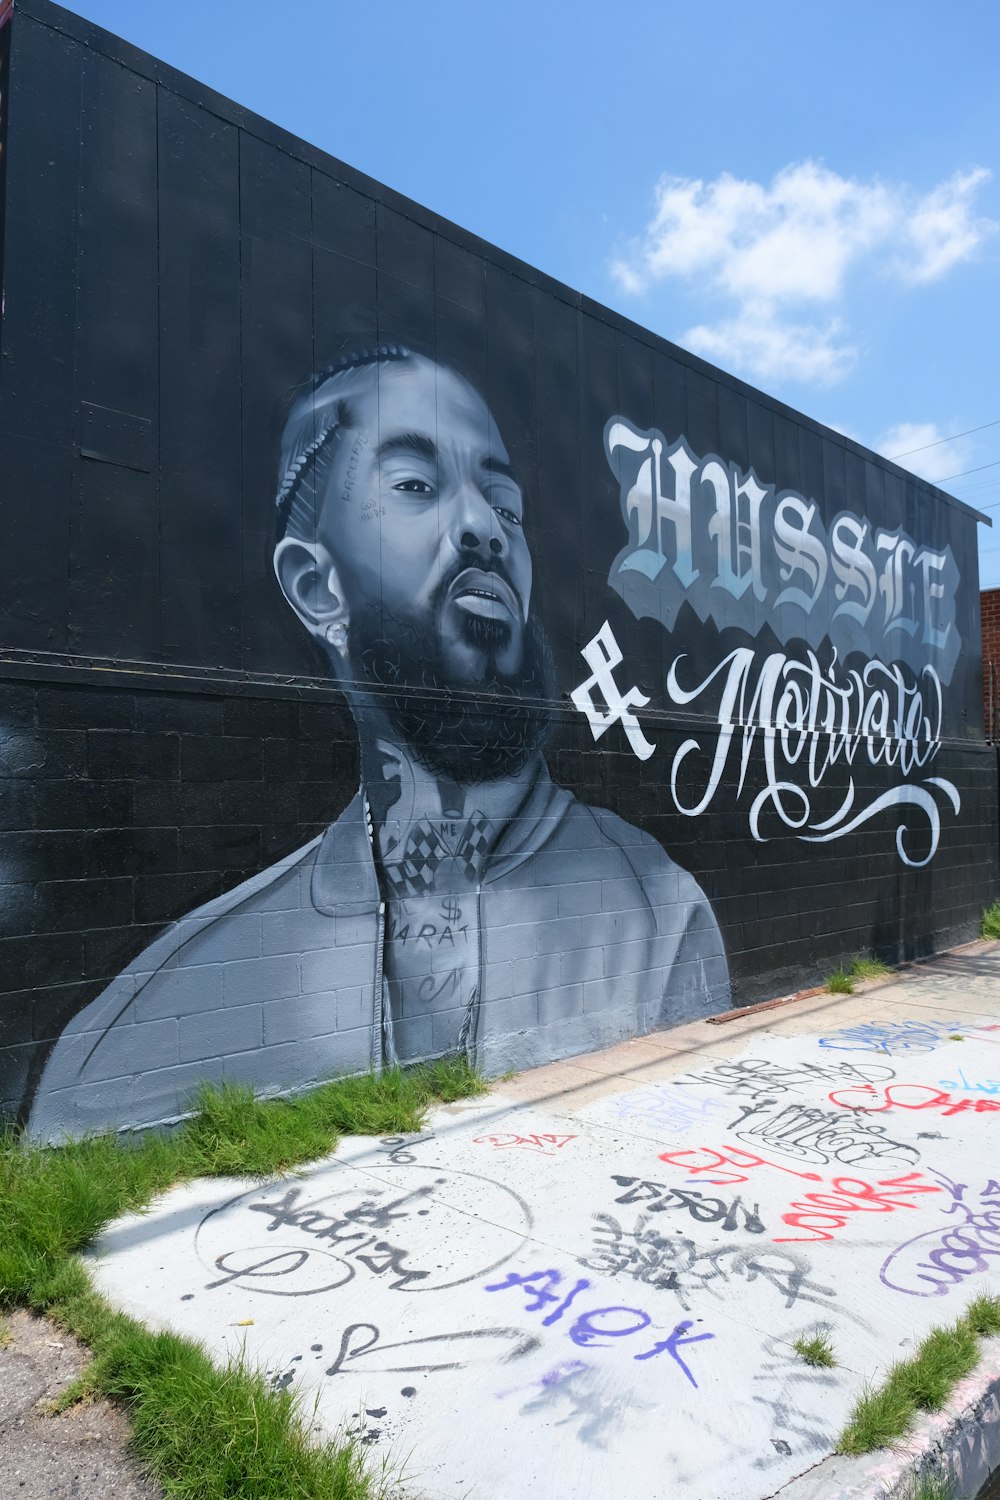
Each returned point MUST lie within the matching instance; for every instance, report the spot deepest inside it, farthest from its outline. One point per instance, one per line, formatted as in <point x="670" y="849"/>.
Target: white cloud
<point x="779" y="252"/>
<point x="935" y="459"/>
<point x="941" y="231"/>
<point x="773" y="347"/>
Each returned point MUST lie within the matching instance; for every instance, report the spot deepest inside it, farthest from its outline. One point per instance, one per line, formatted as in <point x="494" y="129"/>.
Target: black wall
<point x="174" y="269"/>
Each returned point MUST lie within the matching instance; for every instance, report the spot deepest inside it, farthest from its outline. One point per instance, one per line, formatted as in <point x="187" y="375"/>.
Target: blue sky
<point x="806" y="194"/>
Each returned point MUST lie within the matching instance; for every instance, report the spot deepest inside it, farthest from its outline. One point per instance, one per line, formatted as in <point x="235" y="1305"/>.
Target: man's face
<point x="423" y="515"/>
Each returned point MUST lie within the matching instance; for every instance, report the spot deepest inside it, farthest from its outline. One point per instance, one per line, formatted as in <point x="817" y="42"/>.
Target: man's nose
<point x="471" y="542"/>
<point x="477" y="528"/>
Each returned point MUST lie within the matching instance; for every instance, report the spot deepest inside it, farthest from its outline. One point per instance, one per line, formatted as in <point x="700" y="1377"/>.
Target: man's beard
<point x="469" y="732"/>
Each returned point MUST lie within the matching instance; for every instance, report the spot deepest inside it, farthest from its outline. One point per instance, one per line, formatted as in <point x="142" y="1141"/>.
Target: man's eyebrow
<point x="499" y="466"/>
<point x="408" y="443"/>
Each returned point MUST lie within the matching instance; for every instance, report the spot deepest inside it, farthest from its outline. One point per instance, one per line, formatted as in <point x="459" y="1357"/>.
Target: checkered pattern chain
<point x="428" y="849"/>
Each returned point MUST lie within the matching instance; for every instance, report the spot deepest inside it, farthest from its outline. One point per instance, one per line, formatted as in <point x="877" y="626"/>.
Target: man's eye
<point x="507" y="515"/>
<point x="413" y="486"/>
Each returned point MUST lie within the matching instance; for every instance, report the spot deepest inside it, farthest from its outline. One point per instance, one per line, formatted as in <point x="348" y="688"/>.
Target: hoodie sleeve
<point x="687" y="951"/>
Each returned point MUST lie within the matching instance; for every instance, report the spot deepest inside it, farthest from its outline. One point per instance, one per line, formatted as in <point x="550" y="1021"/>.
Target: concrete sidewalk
<point x="589" y="1282"/>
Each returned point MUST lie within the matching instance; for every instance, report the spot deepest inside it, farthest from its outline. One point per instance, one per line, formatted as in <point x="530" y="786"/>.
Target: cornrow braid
<point x="379" y="354"/>
<point x="304" y="460"/>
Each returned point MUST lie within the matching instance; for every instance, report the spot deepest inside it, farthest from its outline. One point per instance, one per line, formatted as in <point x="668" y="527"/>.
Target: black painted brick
<point x="114" y="755"/>
<point x="79" y="905"/>
<point x="225" y="759"/>
<point x="161" y="898"/>
<point x="191" y="714"/>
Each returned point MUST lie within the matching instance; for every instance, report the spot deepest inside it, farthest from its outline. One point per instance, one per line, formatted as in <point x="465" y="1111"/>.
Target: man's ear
<point x="310" y="582"/>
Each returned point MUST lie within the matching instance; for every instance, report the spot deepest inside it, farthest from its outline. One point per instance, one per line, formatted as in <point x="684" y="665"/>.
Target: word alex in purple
<point x="593" y="1329"/>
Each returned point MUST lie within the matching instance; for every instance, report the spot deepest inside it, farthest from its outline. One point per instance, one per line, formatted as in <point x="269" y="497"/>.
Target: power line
<point x="938" y="441"/>
<point x="984" y="487"/>
<point x="949" y="477"/>
<point x="976" y="485"/>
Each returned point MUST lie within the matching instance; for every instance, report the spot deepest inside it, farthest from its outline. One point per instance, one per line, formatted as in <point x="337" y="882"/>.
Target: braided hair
<point x="315" y="422"/>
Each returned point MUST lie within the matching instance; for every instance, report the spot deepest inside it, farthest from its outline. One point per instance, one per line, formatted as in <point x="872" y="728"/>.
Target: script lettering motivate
<point x="805" y="726"/>
<point x="805" y="722"/>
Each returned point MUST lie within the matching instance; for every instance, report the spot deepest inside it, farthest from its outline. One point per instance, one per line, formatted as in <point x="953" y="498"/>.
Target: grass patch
<point x="870" y="968"/>
<point x="844" y="976"/>
<point x="983" y="1316"/>
<point x="879" y="1417"/>
<point x="944" y="1356"/>
<point x="930" y="1487"/>
<point x="55" y="1201"/>
<point x="882" y="1416"/>
<point x="815" y="1351"/>
<point x="990" y="925"/>
<point x="239" y="1134"/>
<point x="203" y="1432"/>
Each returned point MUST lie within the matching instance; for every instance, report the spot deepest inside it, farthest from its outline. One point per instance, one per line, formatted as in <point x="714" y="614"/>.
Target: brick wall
<point x="989" y="601"/>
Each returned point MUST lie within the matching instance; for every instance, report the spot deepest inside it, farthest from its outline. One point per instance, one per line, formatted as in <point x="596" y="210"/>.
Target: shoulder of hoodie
<point x="642" y="855"/>
<point x="253" y="895"/>
<point x="199" y="927"/>
<point x="156" y="963"/>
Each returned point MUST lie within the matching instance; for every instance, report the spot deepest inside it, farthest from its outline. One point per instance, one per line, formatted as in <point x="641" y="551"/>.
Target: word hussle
<point x="738" y="551"/>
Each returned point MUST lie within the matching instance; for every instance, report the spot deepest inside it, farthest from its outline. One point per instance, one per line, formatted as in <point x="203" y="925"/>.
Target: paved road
<point x="81" y="1454"/>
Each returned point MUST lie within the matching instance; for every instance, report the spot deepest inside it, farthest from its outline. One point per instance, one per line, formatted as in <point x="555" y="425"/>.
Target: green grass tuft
<point x="930" y="1487"/>
<point x="78" y="1390"/>
<point x="878" y="1418"/>
<point x="983" y="1315"/>
<point x="942" y="1358"/>
<point x="923" y="1383"/>
<point x="990" y="925"/>
<point x="205" y="1433"/>
<point x="842" y="980"/>
<point x="451" y="1078"/>
<point x="235" y="1133"/>
<point x="870" y="968"/>
<point x="816" y="1350"/>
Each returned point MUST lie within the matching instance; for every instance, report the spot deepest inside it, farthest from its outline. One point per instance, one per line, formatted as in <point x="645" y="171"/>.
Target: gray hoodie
<point x="587" y="933"/>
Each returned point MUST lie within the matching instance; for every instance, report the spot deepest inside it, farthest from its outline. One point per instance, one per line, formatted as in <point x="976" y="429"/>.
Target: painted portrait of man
<point x="462" y="901"/>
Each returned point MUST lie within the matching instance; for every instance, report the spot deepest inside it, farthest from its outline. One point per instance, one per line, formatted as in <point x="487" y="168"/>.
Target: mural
<point x="733" y="544"/>
<point x="514" y="685"/>
<point x="394" y="936"/>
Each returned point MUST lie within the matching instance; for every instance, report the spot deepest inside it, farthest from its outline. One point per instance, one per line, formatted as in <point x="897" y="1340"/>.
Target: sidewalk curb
<point x="959" y="1444"/>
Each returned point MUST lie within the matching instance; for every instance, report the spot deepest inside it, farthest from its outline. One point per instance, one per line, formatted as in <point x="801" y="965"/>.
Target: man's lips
<point x="485" y="593"/>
